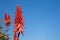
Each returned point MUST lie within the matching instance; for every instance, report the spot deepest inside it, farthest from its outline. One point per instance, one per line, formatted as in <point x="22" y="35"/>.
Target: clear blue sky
<point x="42" y="18"/>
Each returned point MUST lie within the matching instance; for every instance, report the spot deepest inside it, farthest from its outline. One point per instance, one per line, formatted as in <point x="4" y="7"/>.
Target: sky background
<point x="41" y="18"/>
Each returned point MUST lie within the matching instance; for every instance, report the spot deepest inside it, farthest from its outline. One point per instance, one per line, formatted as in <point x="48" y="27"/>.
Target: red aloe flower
<point x="19" y="21"/>
<point x="7" y="19"/>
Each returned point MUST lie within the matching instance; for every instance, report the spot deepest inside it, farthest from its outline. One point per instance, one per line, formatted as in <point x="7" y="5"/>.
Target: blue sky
<point x="41" y="17"/>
